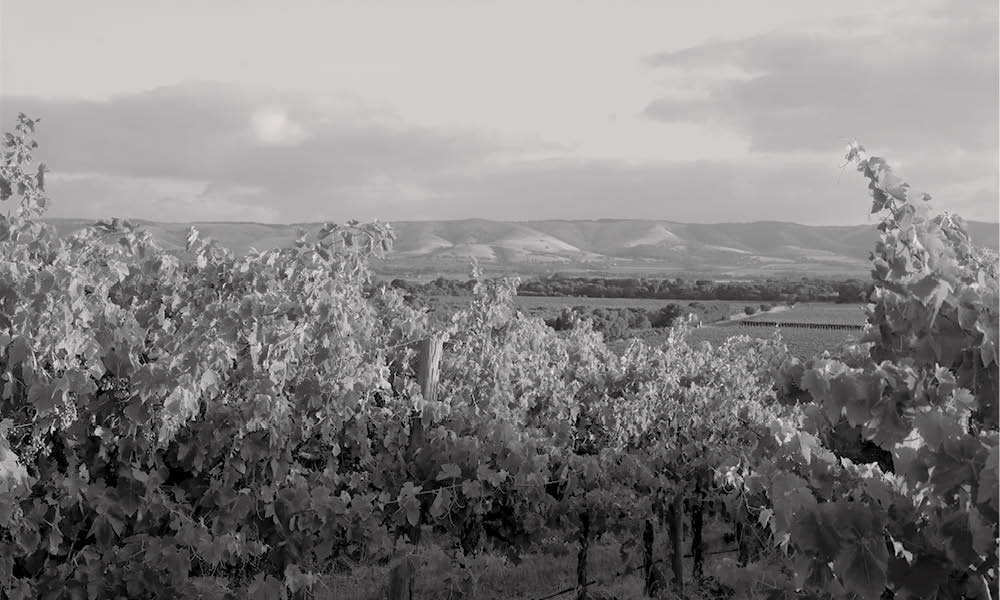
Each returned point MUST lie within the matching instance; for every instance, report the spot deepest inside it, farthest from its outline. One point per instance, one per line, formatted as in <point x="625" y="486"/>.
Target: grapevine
<point x="920" y="522"/>
<point x="195" y="423"/>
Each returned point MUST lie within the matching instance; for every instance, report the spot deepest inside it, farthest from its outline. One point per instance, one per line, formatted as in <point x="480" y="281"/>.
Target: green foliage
<point x="923" y="523"/>
<point x="227" y="427"/>
<point x="191" y="428"/>
<point x="773" y="290"/>
<point x="617" y="323"/>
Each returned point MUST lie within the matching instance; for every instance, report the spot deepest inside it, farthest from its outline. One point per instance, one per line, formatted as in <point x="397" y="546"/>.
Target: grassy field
<point x="803" y="343"/>
<point x="816" y="312"/>
<point x="558" y="302"/>
<point x="550" y="306"/>
<point x="538" y="575"/>
<point x="496" y="578"/>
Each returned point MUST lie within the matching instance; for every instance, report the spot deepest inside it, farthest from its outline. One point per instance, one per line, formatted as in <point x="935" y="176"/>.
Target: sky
<point x="307" y="111"/>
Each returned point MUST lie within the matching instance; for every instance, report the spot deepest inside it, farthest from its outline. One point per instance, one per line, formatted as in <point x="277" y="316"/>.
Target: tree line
<point x="806" y="289"/>
<point x="616" y="323"/>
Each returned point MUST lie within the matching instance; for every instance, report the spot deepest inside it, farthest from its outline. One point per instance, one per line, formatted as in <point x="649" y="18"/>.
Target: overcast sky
<point x="320" y="110"/>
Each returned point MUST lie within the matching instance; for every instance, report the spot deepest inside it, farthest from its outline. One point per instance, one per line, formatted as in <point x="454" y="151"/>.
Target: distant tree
<point x="638" y="319"/>
<point x="666" y="316"/>
<point x="851" y="291"/>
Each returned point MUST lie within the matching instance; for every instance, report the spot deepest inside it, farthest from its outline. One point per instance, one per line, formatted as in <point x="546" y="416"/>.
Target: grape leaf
<point x="13" y="475"/>
<point x="472" y="489"/>
<point x="449" y="471"/>
<point x="18" y="351"/>
<point x="764" y="517"/>
<point x="921" y="578"/>
<point x="931" y="291"/>
<point x="983" y="540"/>
<point x="816" y="532"/>
<point x="441" y="504"/>
<point x="989" y="481"/>
<point x="935" y="428"/>
<point x="862" y="567"/>
<point x="266" y="587"/>
<point x="43" y="398"/>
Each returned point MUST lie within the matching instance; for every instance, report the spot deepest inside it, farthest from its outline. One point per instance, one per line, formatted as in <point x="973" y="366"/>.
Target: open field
<point x="803" y="343"/>
<point x="550" y="306"/>
<point x="558" y="302"/>
<point x="817" y="312"/>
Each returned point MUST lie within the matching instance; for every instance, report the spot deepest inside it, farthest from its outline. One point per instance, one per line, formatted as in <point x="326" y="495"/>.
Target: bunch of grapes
<point x="36" y="445"/>
<point x="118" y="387"/>
<point x="67" y="411"/>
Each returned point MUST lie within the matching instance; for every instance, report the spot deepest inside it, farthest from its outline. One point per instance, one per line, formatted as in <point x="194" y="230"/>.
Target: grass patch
<point x="495" y="577"/>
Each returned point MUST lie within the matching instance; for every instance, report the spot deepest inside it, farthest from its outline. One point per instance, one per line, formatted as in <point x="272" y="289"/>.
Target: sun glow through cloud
<point x="272" y="126"/>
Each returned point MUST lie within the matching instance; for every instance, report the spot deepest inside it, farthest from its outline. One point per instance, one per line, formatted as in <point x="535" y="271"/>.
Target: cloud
<point x="98" y="196"/>
<point x="218" y="152"/>
<point x="808" y="190"/>
<point x="273" y="126"/>
<point x="919" y="87"/>
<point x="929" y="83"/>
<point x="260" y="151"/>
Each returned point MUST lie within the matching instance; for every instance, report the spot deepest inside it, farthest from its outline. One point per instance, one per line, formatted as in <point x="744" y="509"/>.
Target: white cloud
<point x="930" y="83"/>
<point x="273" y="126"/>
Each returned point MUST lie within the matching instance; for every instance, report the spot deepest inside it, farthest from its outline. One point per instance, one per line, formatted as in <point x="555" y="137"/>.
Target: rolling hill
<point x="758" y="248"/>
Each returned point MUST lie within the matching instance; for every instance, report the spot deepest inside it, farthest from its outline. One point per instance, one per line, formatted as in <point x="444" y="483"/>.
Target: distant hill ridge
<point x="761" y="247"/>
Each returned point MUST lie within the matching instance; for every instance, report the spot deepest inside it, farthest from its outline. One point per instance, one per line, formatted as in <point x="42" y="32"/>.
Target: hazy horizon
<point x="460" y="219"/>
<point x="722" y="112"/>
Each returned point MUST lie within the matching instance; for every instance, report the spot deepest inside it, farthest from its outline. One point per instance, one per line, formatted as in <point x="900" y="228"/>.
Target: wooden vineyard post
<point x="429" y="368"/>
<point x="676" y="523"/>
<point x="697" y="527"/>
<point x="428" y="375"/>
<point x="743" y="556"/>
<point x="653" y="580"/>
<point x="401" y="579"/>
<point x="581" y="557"/>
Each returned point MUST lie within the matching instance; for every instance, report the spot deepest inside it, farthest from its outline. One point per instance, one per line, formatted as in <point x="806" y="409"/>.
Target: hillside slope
<point x="763" y="247"/>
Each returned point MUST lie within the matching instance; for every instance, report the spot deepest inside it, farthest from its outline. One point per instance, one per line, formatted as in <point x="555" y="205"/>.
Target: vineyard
<point x="803" y="312"/>
<point x="799" y="343"/>
<point x="224" y="426"/>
